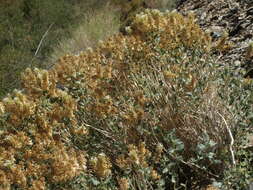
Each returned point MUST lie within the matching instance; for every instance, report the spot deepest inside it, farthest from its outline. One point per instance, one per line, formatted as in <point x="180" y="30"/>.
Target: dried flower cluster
<point x="123" y="184"/>
<point x="136" y="156"/>
<point x="35" y="138"/>
<point x="101" y="165"/>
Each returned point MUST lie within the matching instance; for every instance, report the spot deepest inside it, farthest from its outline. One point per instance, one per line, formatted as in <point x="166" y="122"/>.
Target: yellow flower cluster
<point x="136" y="156"/>
<point x="123" y="183"/>
<point x="101" y="165"/>
<point x="39" y="184"/>
<point x="67" y="165"/>
<point x="177" y="29"/>
<point x="37" y="81"/>
<point x="35" y="128"/>
<point x="19" y="106"/>
<point x="155" y="175"/>
<point x="158" y="152"/>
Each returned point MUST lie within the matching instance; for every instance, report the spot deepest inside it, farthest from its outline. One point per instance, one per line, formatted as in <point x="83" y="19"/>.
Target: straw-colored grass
<point x="96" y="25"/>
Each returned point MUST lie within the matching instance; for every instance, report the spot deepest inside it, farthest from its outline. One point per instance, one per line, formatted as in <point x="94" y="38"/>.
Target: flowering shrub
<point x="129" y="114"/>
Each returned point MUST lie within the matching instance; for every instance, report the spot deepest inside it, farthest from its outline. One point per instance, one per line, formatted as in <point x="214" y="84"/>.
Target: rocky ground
<point x="235" y="17"/>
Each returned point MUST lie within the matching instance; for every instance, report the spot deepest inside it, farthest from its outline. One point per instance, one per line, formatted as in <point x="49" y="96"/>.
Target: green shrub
<point x="239" y="95"/>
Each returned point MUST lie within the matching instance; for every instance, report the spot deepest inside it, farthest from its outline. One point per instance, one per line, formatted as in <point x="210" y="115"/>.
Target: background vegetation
<point x="23" y="23"/>
<point x="96" y="24"/>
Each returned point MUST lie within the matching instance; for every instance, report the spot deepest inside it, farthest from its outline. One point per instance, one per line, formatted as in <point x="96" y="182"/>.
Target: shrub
<point x="146" y="110"/>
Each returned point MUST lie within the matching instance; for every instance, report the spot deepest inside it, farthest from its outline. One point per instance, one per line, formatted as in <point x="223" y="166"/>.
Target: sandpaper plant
<point x="128" y="108"/>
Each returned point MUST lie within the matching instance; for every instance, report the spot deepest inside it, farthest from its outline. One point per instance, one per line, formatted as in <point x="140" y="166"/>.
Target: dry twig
<point x="45" y="34"/>
<point x="231" y="139"/>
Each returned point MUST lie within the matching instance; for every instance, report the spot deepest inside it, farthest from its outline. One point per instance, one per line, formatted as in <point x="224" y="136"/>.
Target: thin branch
<point x="45" y="34"/>
<point x="193" y="166"/>
<point x="105" y="133"/>
<point x="231" y="139"/>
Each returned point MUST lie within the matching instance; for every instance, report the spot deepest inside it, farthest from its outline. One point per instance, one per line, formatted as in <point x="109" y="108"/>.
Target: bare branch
<point x="231" y="139"/>
<point x="45" y="34"/>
